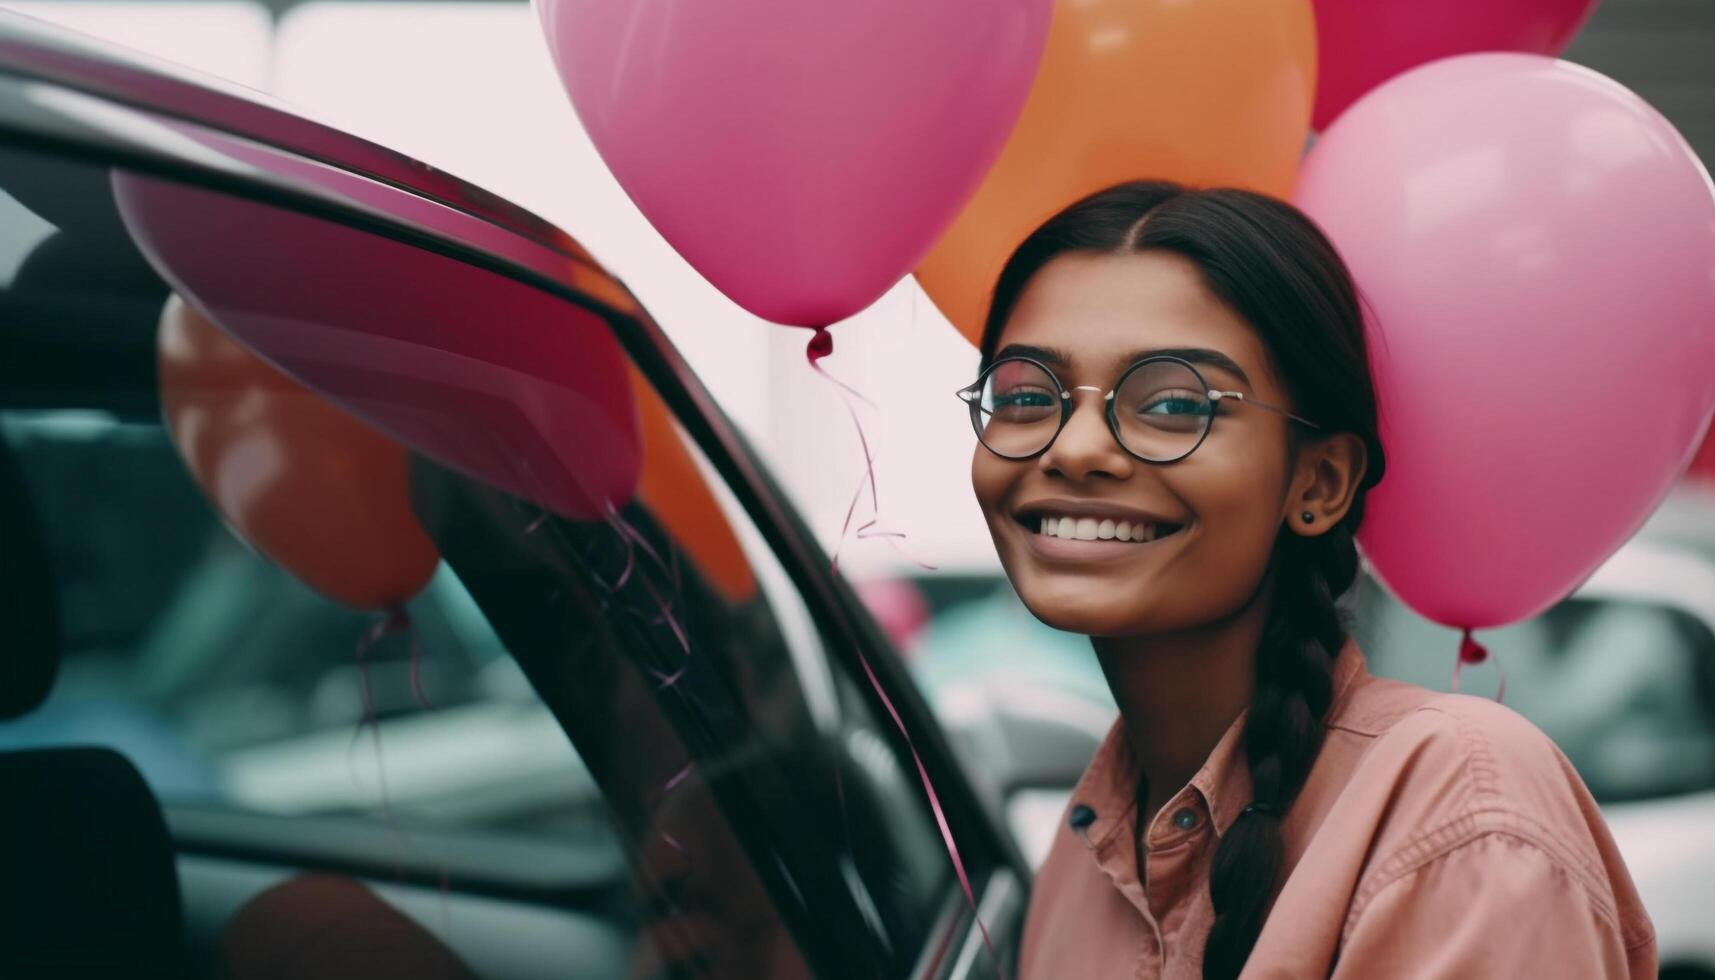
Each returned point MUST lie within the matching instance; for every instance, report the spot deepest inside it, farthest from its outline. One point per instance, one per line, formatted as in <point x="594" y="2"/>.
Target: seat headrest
<point x="90" y="888"/>
<point x="29" y="599"/>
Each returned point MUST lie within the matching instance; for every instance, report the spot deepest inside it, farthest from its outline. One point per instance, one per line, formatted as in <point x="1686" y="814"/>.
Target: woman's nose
<point x="1085" y="447"/>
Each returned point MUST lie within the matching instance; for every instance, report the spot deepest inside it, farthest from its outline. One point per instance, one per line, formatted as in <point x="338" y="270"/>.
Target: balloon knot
<point x="395" y="617"/>
<point x="1470" y="651"/>
<point x="820" y="346"/>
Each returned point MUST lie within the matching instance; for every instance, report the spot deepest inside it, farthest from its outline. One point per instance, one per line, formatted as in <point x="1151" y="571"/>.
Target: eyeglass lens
<point x="1160" y="410"/>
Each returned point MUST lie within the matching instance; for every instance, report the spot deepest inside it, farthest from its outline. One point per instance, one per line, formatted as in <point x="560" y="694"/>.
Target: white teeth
<point x="1097" y="529"/>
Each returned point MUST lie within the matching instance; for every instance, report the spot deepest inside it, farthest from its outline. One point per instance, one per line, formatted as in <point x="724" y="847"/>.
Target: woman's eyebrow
<point x="1196" y="355"/>
<point x="1047" y="355"/>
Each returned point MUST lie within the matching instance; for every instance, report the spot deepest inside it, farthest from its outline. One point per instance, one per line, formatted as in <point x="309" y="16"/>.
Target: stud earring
<point x="1308" y="517"/>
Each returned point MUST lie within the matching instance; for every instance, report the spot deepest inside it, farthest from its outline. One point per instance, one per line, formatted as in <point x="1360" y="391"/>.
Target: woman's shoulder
<point x="1466" y="755"/>
<point x="1432" y="778"/>
<point x="1401" y="714"/>
<point x="1443" y="771"/>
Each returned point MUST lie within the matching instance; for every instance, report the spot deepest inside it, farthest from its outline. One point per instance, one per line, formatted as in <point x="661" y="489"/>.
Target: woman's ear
<point x="1329" y="472"/>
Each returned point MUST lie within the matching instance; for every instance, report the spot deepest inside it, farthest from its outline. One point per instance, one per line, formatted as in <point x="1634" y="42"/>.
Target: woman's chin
<point x="1086" y="613"/>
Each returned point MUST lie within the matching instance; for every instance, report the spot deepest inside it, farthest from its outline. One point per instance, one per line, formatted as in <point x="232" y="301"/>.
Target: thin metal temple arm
<point x="1215" y="395"/>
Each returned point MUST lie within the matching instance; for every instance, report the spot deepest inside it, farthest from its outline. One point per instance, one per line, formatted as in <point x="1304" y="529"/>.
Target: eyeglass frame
<point x="972" y="394"/>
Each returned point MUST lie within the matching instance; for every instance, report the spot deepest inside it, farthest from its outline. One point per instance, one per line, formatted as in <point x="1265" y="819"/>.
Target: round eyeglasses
<point x="1159" y="411"/>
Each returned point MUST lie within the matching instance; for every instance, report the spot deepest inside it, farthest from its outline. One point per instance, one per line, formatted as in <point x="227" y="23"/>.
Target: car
<point x="1621" y="675"/>
<point x="661" y="737"/>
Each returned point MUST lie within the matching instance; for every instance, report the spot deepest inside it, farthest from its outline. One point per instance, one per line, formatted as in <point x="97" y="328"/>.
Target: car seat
<point x="88" y="886"/>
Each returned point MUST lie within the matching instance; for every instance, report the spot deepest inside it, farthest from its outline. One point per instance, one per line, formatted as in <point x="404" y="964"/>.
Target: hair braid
<point x="1282" y="733"/>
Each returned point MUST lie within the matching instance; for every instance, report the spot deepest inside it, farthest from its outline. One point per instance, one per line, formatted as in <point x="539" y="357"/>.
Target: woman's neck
<point x="1179" y="693"/>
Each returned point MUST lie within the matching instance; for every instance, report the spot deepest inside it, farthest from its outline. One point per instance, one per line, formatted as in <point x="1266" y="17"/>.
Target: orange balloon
<point x="678" y="494"/>
<point x="319" y="493"/>
<point x="1211" y="93"/>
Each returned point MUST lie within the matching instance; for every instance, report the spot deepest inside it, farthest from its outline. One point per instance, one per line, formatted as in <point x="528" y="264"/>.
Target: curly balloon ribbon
<point x="392" y="619"/>
<point x="935" y="805"/>
<point x="821" y="345"/>
<point x="637" y="548"/>
<point x="1472" y="652"/>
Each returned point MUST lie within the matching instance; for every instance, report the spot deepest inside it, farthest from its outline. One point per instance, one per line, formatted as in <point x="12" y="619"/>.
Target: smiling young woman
<point x="1177" y="429"/>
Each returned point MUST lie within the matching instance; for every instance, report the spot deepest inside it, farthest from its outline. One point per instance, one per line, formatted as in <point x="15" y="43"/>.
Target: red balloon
<point x="1363" y="43"/>
<point x="319" y="493"/>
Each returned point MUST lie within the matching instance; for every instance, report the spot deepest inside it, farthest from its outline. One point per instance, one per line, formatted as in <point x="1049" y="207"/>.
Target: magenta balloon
<point x="1536" y="246"/>
<point x="803" y="155"/>
<point x="1362" y="43"/>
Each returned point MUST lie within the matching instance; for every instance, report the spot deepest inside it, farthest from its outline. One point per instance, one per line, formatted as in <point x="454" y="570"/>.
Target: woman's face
<point x="1212" y="516"/>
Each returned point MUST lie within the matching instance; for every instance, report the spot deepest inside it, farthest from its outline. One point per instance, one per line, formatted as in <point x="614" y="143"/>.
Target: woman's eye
<point x="1024" y="398"/>
<point x="1175" y="404"/>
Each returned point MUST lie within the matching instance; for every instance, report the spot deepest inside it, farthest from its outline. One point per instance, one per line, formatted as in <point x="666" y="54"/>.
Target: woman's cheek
<point x="1236" y="503"/>
<point x="990" y="479"/>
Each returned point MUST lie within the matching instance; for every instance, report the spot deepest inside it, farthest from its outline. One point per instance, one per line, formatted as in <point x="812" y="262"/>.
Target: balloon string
<point x="365" y="645"/>
<point x="634" y="542"/>
<point x="401" y="620"/>
<point x="394" y="618"/>
<point x="935" y="805"/>
<point x="1472" y="652"/>
<point x="820" y="346"/>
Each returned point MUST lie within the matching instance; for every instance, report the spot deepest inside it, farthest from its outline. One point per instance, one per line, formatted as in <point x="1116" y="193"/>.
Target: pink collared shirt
<point x="1438" y="835"/>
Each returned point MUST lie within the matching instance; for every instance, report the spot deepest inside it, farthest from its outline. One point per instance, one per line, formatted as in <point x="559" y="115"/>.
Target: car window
<point x="606" y="657"/>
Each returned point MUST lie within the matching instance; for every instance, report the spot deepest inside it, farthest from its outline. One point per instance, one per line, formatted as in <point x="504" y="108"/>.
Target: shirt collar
<point x="1109" y="785"/>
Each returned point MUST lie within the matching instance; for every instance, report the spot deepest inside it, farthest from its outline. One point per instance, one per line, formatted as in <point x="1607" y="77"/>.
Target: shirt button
<point x="1081" y="818"/>
<point x="1185" y="818"/>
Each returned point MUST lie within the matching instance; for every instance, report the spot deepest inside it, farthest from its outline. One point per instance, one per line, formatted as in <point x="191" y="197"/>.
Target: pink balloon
<point x="1536" y="246"/>
<point x="1362" y="43"/>
<point x="803" y="155"/>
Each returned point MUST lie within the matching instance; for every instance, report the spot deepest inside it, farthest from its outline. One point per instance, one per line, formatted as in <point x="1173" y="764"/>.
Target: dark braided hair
<point x="1277" y="270"/>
